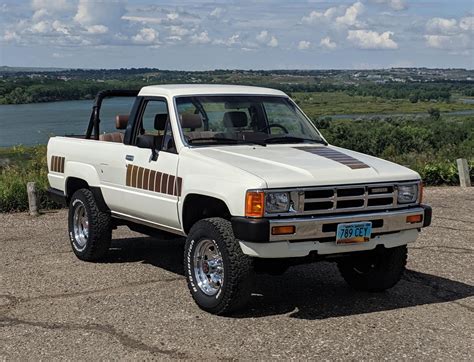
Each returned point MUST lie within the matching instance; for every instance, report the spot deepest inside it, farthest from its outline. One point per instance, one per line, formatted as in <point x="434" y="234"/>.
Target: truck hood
<point x="308" y="165"/>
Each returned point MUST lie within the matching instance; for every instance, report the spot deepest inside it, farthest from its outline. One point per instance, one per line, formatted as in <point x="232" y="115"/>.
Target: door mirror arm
<point x="154" y="154"/>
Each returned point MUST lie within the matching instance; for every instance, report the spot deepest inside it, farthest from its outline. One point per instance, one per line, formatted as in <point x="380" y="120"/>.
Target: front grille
<point x="325" y="200"/>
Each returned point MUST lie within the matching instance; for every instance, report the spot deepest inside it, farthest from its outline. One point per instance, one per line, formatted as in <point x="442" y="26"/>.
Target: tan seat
<point x="121" y="121"/>
<point x="112" y="137"/>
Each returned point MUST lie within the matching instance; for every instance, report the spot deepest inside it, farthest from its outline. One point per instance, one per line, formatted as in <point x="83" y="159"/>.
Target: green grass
<point x="332" y="103"/>
<point x="18" y="166"/>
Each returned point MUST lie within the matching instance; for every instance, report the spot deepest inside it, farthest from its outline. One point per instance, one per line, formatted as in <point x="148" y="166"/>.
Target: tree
<point x="413" y="98"/>
<point x="434" y="114"/>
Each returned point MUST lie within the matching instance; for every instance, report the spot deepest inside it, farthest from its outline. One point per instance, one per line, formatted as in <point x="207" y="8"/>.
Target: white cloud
<point x="397" y="4"/>
<point x="41" y="27"/>
<point x="232" y="40"/>
<point x="45" y="8"/>
<point x="265" y="38"/>
<point x="350" y="16"/>
<point x="60" y="27"/>
<point x="304" y="44"/>
<point x="273" y="43"/>
<point x="11" y="36"/>
<point x="99" y="13"/>
<point x="327" y="43"/>
<point x="262" y="37"/>
<point x="97" y="29"/>
<point x="176" y="30"/>
<point x="142" y="19"/>
<point x="467" y="23"/>
<point x="442" y="26"/>
<point x="146" y="36"/>
<point x="201" y="38"/>
<point x="450" y="34"/>
<point x="394" y="4"/>
<point x="51" y="5"/>
<point x="316" y="17"/>
<point x="172" y="16"/>
<point x="217" y="12"/>
<point x="40" y="14"/>
<point x="367" y="39"/>
<point x="448" y="42"/>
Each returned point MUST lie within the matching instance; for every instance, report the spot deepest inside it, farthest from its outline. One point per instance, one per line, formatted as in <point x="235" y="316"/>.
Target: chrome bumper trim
<point x="311" y="228"/>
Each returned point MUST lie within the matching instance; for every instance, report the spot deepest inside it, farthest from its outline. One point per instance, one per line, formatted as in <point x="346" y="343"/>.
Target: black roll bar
<point x="94" y="120"/>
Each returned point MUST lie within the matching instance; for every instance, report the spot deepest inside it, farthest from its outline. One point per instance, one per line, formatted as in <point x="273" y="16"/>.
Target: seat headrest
<point x="192" y="121"/>
<point x="235" y="119"/>
<point x="121" y="121"/>
<point x="160" y="121"/>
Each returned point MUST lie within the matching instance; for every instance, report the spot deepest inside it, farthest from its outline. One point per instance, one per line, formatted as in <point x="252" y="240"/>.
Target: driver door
<point x="151" y="188"/>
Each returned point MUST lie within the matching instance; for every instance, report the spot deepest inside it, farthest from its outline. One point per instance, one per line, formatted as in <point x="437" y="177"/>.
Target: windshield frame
<point x="284" y="97"/>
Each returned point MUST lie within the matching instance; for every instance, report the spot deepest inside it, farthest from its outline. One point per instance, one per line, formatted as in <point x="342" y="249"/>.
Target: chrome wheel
<point x="208" y="267"/>
<point x="81" y="226"/>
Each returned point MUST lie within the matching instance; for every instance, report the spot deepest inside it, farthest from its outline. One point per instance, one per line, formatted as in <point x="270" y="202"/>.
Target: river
<point x="32" y="124"/>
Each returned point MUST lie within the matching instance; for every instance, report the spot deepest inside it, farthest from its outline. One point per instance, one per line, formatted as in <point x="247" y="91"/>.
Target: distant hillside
<point x="7" y="69"/>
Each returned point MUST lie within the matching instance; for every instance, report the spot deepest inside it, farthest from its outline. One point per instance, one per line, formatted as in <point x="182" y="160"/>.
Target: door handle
<point x="129" y="157"/>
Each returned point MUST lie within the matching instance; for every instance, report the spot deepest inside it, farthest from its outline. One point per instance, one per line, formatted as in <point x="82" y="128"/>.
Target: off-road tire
<point x="100" y="227"/>
<point x="238" y="281"/>
<point x="376" y="270"/>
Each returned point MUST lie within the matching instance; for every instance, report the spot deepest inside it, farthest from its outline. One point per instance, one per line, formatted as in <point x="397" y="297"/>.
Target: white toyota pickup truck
<point x="246" y="177"/>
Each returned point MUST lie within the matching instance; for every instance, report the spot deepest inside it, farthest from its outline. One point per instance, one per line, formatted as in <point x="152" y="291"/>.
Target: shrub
<point x="27" y="165"/>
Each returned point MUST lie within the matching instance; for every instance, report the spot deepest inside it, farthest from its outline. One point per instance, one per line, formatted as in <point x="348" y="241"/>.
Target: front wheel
<point x="376" y="270"/>
<point x="219" y="275"/>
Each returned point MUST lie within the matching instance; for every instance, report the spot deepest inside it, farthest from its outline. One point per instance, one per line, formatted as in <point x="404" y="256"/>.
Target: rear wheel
<point x="375" y="270"/>
<point x="90" y="229"/>
<point x="219" y="275"/>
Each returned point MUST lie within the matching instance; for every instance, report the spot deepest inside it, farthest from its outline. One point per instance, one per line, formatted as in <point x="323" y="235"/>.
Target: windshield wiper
<point x="223" y="140"/>
<point x="292" y="139"/>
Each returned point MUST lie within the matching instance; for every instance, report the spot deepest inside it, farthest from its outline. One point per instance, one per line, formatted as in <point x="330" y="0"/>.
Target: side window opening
<point x="151" y="127"/>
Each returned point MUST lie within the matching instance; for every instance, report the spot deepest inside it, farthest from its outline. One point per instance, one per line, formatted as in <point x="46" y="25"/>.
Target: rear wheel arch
<point x="75" y="183"/>
<point x="197" y="207"/>
<point x="72" y="185"/>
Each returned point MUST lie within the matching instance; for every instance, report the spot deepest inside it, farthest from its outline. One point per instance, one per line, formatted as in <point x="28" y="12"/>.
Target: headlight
<point x="407" y="193"/>
<point x="277" y="202"/>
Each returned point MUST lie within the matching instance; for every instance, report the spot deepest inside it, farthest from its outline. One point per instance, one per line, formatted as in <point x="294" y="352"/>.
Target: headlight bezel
<point x="277" y="202"/>
<point x="404" y="190"/>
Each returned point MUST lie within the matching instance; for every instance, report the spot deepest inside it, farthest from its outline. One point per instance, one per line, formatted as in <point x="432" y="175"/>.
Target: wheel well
<point x="197" y="207"/>
<point x="73" y="184"/>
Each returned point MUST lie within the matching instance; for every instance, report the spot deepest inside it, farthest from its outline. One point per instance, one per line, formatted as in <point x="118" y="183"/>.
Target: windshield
<point x="208" y="120"/>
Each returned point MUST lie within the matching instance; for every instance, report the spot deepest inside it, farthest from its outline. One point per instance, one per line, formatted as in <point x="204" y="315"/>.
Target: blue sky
<point x="258" y="34"/>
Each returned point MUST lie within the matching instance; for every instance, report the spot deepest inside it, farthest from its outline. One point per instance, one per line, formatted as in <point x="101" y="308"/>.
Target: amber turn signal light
<point x="254" y="204"/>
<point x="283" y="230"/>
<point x="413" y="219"/>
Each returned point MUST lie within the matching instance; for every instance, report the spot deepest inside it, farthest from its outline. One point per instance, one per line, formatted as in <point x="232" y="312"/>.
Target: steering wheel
<point x="266" y="128"/>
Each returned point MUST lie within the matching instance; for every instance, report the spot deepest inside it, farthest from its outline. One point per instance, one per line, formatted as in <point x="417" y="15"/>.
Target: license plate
<point x="357" y="232"/>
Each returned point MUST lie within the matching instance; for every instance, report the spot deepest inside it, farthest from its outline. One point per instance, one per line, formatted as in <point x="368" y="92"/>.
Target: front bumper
<point x="323" y="228"/>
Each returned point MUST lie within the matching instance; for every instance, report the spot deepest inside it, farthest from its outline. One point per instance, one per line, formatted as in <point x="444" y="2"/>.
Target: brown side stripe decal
<point x="144" y="178"/>
<point x="57" y="164"/>
<point x="337" y="156"/>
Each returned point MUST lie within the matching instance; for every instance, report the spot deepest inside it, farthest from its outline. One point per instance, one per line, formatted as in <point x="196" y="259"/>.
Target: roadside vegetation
<point x="336" y="103"/>
<point x="18" y="166"/>
<point x="429" y="145"/>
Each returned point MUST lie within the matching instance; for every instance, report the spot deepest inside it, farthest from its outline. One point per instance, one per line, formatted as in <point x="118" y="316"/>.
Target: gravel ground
<point x="136" y="303"/>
